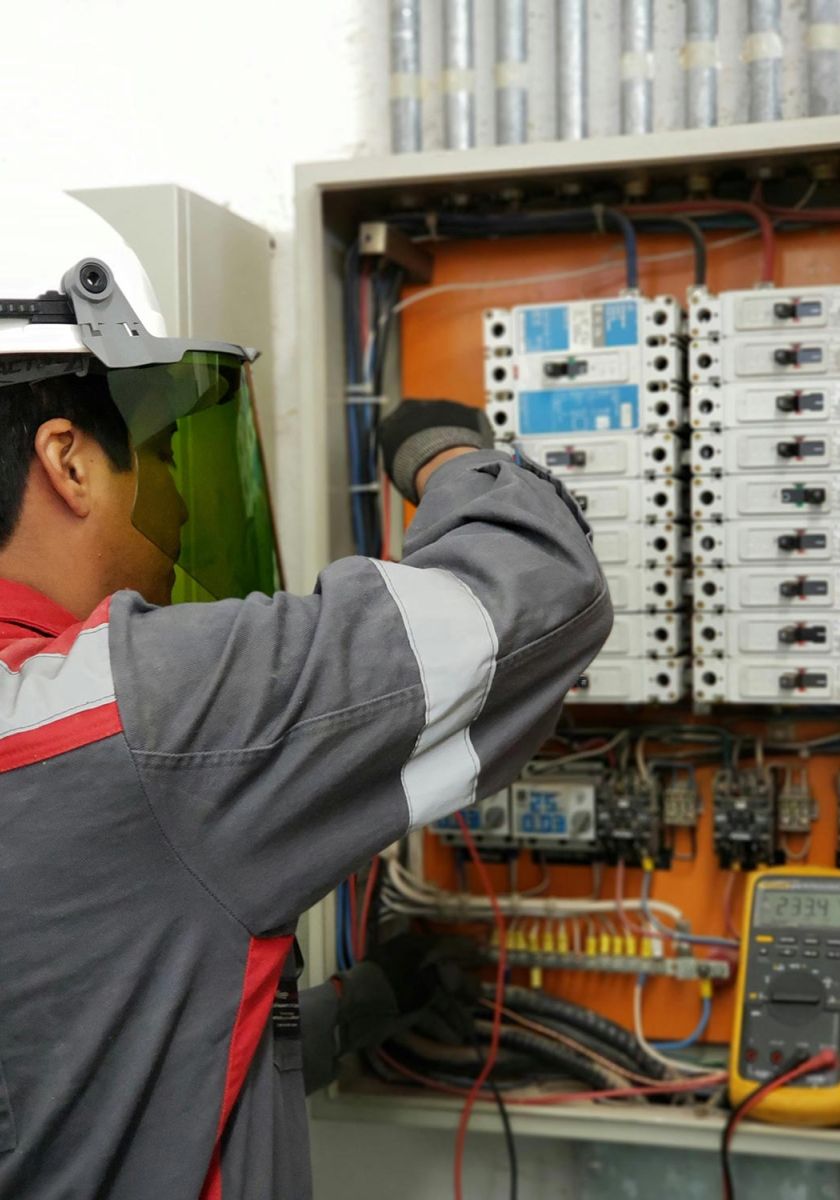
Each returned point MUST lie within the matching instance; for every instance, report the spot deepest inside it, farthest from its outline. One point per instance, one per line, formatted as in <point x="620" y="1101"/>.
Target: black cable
<point x="693" y="231"/>
<point x="510" y="1144"/>
<point x="531" y="1000"/>
<point x="728" y="1129"/>
<point x="570" y="1062"/>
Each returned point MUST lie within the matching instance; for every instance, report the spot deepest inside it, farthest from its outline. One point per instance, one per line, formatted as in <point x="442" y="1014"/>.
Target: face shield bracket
<point x="110" y="328"/>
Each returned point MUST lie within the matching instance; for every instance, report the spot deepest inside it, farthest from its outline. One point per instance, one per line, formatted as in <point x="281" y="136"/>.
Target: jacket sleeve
<point x="281" y="741"/>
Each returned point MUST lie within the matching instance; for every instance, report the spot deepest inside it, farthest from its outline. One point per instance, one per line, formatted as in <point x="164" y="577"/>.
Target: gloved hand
<point x="409" y="980"/>
<point x="417" y="430"/>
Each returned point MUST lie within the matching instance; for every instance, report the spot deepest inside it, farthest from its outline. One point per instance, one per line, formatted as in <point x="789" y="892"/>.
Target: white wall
<point x="224" y="98"/>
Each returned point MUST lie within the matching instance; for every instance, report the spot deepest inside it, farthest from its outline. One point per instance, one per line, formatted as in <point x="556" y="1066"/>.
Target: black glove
<point x="408" y="979"/>
<point x="418" y="430"/>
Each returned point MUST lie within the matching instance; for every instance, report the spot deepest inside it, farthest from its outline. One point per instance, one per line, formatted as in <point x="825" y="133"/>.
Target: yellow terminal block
<point x="618" y="944"/>
<point x="548" y="943"/>
<point x="631" y="945"/>
<point x="520" y="941"/>
<point x="562" y="940"/>
<point x="591" y="944"/>
<point x="705" y="989"/>
<point x="647" y="948"/>
<point x="603" y="943"/>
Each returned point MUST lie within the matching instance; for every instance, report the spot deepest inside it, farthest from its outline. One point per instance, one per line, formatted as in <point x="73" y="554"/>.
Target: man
<point x="178" y="784"/>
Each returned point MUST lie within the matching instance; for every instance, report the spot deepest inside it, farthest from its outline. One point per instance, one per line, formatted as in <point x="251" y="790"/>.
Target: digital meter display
<point x="786" y="907"/>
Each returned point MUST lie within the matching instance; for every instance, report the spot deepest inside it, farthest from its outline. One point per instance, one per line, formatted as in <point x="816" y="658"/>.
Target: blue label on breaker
<point x="621" y="323"/>
<point x="579" y="410"/>
<point x="545" y="328"/>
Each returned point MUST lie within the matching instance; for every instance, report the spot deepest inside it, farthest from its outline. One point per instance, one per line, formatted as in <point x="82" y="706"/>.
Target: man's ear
<point x="63" y="452"/>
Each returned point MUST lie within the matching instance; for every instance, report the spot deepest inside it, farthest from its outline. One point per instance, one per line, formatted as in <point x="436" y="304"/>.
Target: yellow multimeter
<point x="788" y="997"/>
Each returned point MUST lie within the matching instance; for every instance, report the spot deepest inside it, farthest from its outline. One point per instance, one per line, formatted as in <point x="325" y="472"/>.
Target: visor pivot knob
<point x="93" y="277"/>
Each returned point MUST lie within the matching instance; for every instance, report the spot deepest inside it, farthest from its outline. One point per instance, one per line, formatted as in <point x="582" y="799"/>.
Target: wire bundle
<point x="370" y="294"/>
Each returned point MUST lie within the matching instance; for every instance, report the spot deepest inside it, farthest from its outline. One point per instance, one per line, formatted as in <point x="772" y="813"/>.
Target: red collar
<point x="23" y="611"/>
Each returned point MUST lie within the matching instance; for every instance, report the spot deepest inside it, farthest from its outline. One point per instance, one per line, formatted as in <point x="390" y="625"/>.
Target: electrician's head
<point x="69" y="483"/>
<point x="92" y="393"/>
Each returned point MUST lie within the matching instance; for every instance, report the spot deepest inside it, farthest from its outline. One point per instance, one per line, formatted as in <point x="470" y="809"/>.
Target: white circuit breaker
<point x="594" y="390"/>
<point x="764" y="369"/>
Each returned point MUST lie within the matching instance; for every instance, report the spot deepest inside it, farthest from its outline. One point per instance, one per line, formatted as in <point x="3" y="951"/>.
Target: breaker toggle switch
<point x="798" y="635"/>
<point x="789" y="449"/>
<point x="566" y="458"/>
<point x="802" y="680"/>
<point x="799" y="494"/>
<point x="565" y="368"/>
<point x="800" y="540"/>
<point x="785" y="310"/>
<point x="794" y="310"/>
<point x="797" y="356"/>
<point x="797" y="402"/>
<point x="802" y="587"/>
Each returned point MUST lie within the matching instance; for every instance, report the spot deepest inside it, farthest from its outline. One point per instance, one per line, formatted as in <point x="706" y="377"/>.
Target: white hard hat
<point x="43" y="233"/>
<point x="72" y="291"/>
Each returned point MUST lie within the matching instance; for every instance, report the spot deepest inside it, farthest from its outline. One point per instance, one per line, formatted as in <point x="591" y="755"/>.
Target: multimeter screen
<point x="783" y="907"/>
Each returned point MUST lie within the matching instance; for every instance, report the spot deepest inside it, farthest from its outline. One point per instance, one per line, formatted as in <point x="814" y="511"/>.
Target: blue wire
<point x="695" y="1035"/>
<point x="693" y="939"/>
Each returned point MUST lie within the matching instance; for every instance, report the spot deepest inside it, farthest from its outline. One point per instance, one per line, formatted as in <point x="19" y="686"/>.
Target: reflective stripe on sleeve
<point x="455" y="645"/>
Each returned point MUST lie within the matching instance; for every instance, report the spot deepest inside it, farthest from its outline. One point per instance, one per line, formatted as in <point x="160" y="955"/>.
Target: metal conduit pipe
<point x="701" y="64"/>
<point x="406" y="104"/>
<point x="511" y="72"/>
<point x="572" y="69"/>
<point x="458" y="78"/>
<point x="637" y="66"/>
<point x="823" y="40"/>
<point x="763" y="51"/>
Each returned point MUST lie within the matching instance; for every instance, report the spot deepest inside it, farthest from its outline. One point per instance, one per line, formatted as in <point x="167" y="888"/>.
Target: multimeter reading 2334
<point x="788" y="1003"/>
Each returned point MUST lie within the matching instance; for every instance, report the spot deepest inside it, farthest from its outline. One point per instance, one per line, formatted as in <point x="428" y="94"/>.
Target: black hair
<point x="24" y="407"/>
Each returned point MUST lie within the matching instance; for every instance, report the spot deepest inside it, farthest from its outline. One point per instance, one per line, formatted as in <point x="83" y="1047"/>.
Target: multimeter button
<point x="787" y="940"/>
<point x="786" y="951"/>
<point x="833" y="942"/>
<point x="764" y="951"/>
<point x="811" y="953"/>
<point x="833" y="953"/>
<point x="811" y="941"/>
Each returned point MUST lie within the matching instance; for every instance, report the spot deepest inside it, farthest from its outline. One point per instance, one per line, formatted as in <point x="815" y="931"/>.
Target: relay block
<point x="582" y="814"/>
<point x="488" y="821"/>
<point x="764" y="369"/>
<point x="594" y="390"/>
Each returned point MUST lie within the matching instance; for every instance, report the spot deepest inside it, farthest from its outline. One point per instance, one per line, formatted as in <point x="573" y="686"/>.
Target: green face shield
<point x="202" y="495"/>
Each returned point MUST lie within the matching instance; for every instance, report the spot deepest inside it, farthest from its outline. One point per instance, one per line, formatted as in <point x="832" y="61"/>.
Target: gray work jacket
<point x="178" y="785"/>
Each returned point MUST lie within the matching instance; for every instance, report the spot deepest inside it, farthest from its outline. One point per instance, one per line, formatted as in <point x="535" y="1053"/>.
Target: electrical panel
<point x="594" y="391"/>
<point x="764" y="368"/>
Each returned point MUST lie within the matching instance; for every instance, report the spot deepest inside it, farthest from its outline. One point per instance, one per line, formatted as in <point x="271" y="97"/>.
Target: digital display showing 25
<point x="787" y="907"/>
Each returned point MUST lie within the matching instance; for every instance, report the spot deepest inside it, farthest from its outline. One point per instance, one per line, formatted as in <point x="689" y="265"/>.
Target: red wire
<point x="493" y="1051"/>
<point x="663" y="1089"/>
<point x="373" y="874"/>
<point x="761" y="218"/>
<point x="824" y="1061"/>
<point x="354" y="925"/>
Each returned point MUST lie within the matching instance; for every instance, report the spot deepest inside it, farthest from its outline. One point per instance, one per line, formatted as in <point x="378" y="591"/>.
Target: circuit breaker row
<point x="594" y="391"/>
<point x="764" y="370"/>
<point x="608" y="815"/>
